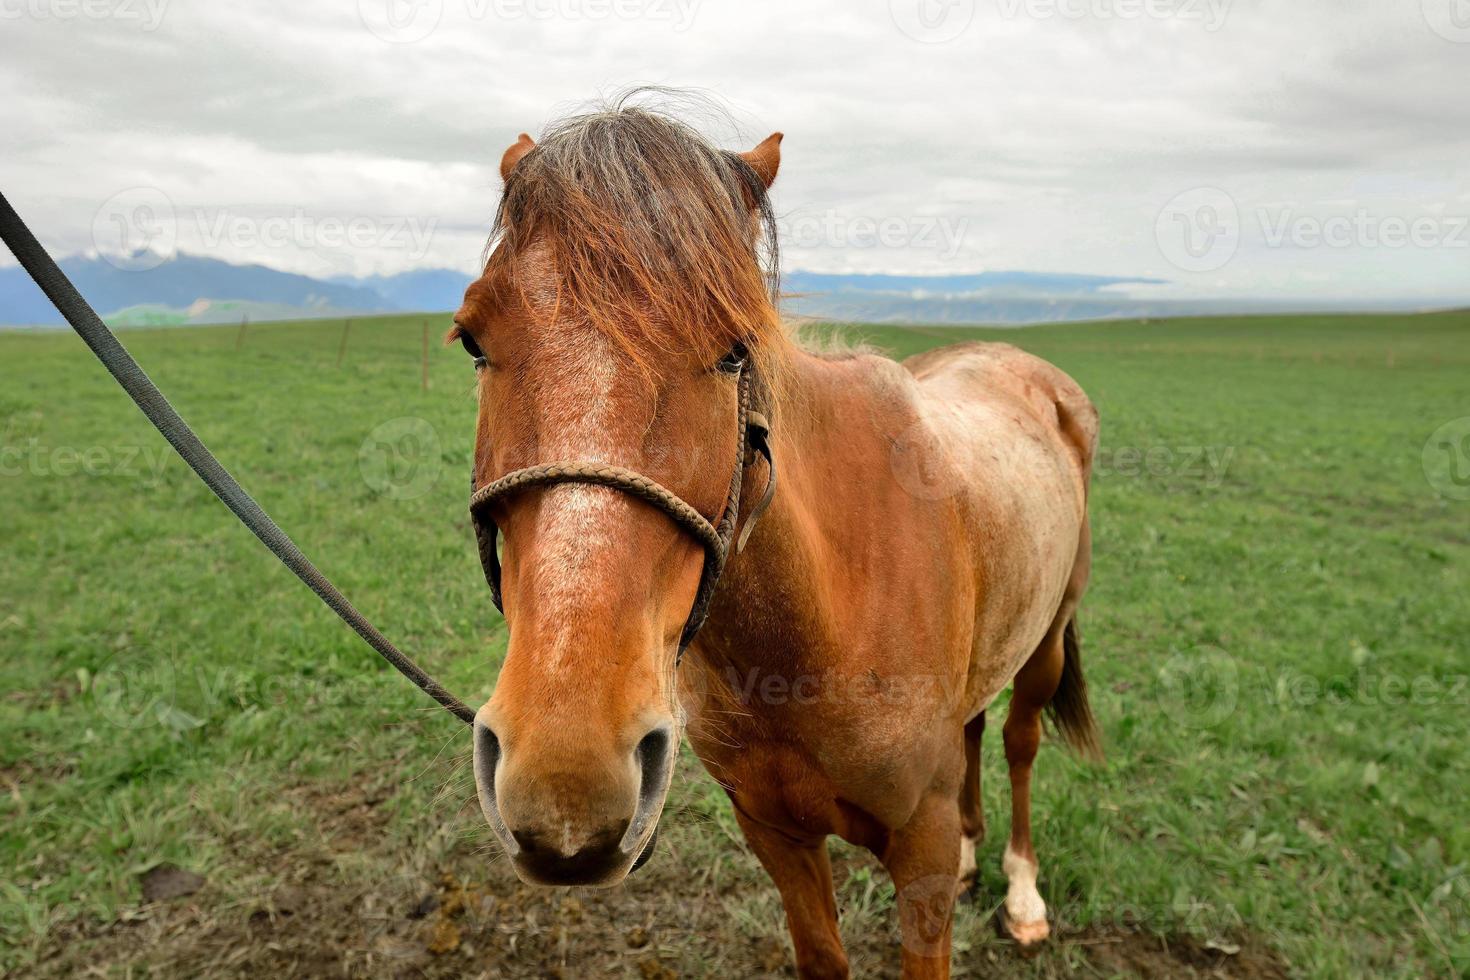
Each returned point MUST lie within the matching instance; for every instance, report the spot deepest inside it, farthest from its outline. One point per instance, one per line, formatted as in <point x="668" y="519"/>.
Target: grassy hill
<point x="1276" y="639"/>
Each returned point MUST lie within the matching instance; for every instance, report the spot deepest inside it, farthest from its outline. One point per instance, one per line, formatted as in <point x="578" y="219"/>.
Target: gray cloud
<point x="1046" y="134"/>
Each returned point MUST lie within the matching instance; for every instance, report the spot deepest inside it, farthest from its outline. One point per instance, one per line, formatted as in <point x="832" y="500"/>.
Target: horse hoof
<point x="1027" y="935"/>
<point x="965" y="889"/>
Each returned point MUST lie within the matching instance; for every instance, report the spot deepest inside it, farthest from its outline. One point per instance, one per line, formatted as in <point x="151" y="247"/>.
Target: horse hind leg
<point x="972" y="811"/>
<point x="1050" y="681"/>
<point x="1025" y="912"/>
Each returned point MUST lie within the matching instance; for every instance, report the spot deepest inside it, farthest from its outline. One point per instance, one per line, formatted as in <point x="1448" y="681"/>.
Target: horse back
<point x="1002" y="377"/>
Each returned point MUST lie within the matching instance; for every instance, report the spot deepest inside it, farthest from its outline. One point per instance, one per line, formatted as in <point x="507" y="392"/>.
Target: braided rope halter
<point x="753" y="438"/>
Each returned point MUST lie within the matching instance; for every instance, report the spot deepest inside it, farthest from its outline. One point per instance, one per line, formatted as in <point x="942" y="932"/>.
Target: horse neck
<point x="769" y="612"/>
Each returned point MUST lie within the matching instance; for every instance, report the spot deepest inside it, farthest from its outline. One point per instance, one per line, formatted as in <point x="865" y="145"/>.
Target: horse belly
<point x="1024" y="509"/>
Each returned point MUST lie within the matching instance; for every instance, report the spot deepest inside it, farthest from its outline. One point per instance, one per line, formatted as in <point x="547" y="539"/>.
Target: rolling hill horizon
<point x="186" y="289"/>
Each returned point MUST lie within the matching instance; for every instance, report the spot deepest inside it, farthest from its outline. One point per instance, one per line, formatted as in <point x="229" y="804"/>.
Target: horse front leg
<point x="803" y="876"/>
<point x="923" y="859"/>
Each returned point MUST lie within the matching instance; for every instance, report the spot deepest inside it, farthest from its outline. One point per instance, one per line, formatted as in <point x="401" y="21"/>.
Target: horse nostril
<point x="487" y="750"/>
<point x="653" y="748"/>
<point x="655" y="756"/>
<point x="486" y="761"/>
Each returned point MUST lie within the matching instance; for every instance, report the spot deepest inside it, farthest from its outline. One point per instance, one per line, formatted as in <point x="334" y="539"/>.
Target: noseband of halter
<point x="753" y="438"/>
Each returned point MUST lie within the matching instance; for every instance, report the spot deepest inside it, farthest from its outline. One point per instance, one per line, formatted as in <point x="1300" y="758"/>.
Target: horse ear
<point x="523" y="145"/>
<point x="765" y="159"/>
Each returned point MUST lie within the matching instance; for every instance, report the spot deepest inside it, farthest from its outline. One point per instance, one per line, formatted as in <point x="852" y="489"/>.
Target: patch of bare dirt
<point x="313" y="915"/>
<point x="315" y="912"/>
<point x="1136" y="954"/>
<point x="166" y="882"/>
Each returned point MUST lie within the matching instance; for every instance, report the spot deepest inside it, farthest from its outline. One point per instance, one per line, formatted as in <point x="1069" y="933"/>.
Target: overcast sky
<point x="1261" y="147"/>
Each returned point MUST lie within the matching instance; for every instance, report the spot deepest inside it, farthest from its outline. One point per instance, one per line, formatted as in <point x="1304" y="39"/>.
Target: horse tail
<point x="1069" y="710"/>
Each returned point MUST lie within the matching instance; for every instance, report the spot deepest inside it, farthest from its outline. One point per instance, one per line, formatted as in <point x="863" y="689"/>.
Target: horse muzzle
<point x="562" y="828"/>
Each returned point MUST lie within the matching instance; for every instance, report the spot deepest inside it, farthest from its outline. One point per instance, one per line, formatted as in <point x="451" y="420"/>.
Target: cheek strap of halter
<point x="757" y="441"/>
<point x="753" y="439"/>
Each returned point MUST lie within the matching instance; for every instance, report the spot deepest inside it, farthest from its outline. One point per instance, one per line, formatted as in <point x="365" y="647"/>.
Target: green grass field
<point x="1277" y="640"/>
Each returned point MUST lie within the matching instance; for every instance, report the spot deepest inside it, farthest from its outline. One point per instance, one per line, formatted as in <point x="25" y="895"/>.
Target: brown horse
<point x="928" y="545"/>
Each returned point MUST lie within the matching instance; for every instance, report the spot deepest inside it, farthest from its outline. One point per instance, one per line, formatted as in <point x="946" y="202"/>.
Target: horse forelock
<point x="661" y="242"/>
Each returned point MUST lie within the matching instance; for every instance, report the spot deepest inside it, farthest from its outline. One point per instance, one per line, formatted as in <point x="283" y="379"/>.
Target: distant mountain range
<point x="187" y="289"/>
<point x="1019" y="298"/>
<point x="417" y="289"/>
<point x="190" y="289"/>
<point x="1013" y="298"/>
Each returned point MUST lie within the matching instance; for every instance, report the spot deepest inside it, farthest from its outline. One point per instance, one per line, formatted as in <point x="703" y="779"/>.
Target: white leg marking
<point x="1025" y="910"/>
<point x="967" y="858"/>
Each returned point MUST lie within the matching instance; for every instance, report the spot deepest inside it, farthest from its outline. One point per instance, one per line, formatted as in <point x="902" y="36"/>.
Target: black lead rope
<point x="145" y="394"/>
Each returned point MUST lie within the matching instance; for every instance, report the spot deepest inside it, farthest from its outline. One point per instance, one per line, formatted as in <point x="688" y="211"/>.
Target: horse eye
<point x="471" y="348"/>
<point x="732" y="362"/>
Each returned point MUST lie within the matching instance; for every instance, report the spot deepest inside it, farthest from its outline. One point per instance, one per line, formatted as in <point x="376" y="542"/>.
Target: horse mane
<point x="659" y="240"/>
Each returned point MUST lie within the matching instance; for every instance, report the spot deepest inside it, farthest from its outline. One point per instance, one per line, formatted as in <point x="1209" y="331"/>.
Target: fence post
<point x="240" y="334"/>
<point x="426" y="356"/>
